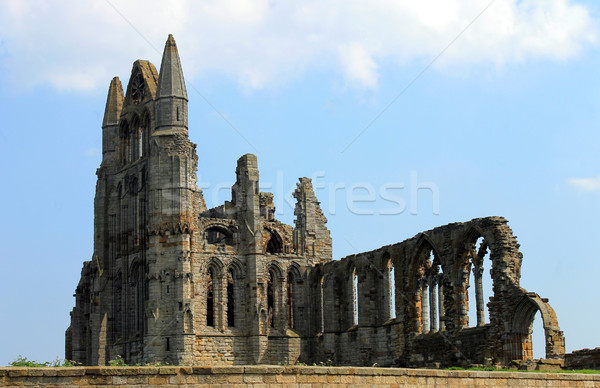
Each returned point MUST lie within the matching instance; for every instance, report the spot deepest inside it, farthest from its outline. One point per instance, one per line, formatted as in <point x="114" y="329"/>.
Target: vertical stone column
<point x="442" y="309"/>
<point x="433" y="304"/>
<point x="477" y="274"/>
<point x="424" y="306"/>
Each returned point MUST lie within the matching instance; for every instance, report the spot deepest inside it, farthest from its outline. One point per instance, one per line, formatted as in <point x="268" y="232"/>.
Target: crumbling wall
<point x="429" y="322"/>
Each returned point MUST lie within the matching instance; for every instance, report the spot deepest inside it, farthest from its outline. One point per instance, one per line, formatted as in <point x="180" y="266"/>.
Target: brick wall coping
<point x="15" y="372"/>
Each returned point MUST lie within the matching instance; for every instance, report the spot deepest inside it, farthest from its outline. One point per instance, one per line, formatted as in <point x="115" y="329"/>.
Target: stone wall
<point x="280" y="376"/>
<point x="583" y="359"/>
<point x="407" y="304"/>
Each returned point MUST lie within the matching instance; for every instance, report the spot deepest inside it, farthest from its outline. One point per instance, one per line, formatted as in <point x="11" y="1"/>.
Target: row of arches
<point x="429" y="293"/>
<point x="283" y="299"/>
<point x="224" y="294"/>
<point x="417" y="291"/>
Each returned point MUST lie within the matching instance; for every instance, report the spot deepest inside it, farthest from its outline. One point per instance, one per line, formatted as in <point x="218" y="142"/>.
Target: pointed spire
<point x="114" y="103"/>
<point x="170" y="79"/>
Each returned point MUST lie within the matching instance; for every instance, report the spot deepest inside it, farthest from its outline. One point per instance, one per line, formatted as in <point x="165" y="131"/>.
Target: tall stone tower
<point x="171" y="281"/>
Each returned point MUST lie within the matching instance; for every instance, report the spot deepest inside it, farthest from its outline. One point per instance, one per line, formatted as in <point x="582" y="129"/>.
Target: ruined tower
<point x="171" y="281"/>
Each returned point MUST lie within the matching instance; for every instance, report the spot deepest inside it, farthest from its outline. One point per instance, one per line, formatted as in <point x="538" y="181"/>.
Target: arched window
<point x="124" y="142"/>
<point x="230" y="298"/>
<point x="210" y="299"/>
<point x="217" y="235"/>
<point x="354" y="288"/>
<point x="136" y="139"/>
<point x="430" y="291"/>
<point x="270" y="300"/>
<point x="290" y="300"/>
<point x="391" y="281"/>
<point x="275" y="244"/>
<point x="479" y="283"/>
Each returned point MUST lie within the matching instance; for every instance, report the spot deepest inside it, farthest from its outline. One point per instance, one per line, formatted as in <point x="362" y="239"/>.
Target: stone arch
<point x="135" y="302"/>
<point x="274" y="293"/>
<point x="217" y="233"/>
<point x="519" y="346"/>
<point x="389" y="286"/>
<point x="124" y="141"/>
<point x="471" y="264"/>
<point x="274" y="243"/>
<point x="136" y="137"/>
<point x="425" y="296"/>
<point x="292" y="295"/>
<point x="213" y="285"/>
<point x="234" y="291"/>
<point x="145" y="133"/>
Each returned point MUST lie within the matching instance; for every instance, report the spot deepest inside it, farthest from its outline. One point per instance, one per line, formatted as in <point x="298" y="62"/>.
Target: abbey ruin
<point x="171" y="281"/>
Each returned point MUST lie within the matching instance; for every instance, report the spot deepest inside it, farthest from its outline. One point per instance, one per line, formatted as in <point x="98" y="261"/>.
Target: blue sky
<point x="494" y="105"/>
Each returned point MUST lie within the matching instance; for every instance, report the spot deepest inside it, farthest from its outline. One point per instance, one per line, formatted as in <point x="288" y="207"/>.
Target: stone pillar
<point x="433" y="319"/>
<point x="442" y="309"/>
<point x="424" y="306"/>
<point x="477" y="274"/>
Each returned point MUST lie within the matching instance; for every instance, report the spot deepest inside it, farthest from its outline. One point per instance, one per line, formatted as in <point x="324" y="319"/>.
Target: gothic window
<point x="270" y="300"/>
<point x="274" y="245"/>
<point x="124" y="140"/>
<point x="230" y="298"/>
<point x="354" y="294"/>
<point x="391" y="273"/>
<point x="210" y="301"/>
<point x="138" y="90"/>
<point x="216" y="235"/>
<point x="430" y="291"/>
<point x="479" y="283"/>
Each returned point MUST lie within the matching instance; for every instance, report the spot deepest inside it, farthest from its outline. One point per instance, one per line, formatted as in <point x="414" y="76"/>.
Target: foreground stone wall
<point x="277" y="376"/>
<point x="583" y="359"/>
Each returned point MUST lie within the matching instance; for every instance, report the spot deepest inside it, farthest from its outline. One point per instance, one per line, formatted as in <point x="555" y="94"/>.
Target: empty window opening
<point x="210" y="301"/>
<point x="355" y="297"/>
<point x="479" y="283"/>
<point x="168" y="344"/>
<point x="270" y="300"/>
<point x="538" y="337"/>
<point x="230" y="299"/>
<point x="218" y="236"/>
<point x="275" y="245"/>
<point x="392" y="289"/>
<point x="430" y="293"/>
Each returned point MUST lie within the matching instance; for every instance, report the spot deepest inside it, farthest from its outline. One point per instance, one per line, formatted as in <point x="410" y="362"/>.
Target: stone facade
<point x="171" y="281"/>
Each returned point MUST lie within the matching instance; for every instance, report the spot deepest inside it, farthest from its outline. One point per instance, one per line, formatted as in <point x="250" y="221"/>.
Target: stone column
<point x="441" y="302"/>
<point x="477" y="274"/>
<point x="433" y="319"/>
<point x="424" y="306"/>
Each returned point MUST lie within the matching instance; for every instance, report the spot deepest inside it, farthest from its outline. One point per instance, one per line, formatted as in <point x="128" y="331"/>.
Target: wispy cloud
<point x="587" y="184"/>
<point x="80" y="44"/>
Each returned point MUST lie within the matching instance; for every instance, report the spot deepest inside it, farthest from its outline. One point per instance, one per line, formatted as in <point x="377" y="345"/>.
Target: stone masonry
<point x="171" y="281"/>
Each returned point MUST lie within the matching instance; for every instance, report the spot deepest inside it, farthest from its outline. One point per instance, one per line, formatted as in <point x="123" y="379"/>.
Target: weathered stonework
<point x="171" y="281"/>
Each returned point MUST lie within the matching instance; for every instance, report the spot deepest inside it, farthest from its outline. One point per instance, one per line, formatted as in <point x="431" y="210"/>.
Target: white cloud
<point x="81" y="44"/>
<point x="587" y="184"/>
